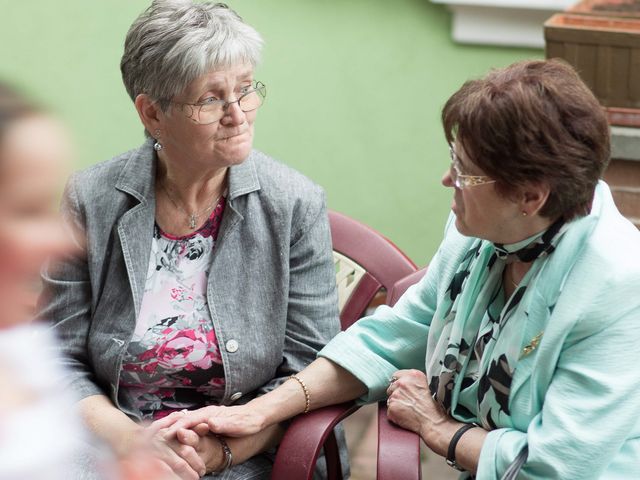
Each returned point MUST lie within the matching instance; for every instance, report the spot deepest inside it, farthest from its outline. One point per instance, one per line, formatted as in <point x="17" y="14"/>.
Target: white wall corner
<point x="502" y="22"/>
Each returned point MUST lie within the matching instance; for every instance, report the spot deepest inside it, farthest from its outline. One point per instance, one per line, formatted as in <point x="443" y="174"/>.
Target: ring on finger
<point x="393" y="379"/>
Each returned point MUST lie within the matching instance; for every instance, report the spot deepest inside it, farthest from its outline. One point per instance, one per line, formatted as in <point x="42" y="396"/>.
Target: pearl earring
<point x="524" y="214"/>
<point x="157" y="146"/>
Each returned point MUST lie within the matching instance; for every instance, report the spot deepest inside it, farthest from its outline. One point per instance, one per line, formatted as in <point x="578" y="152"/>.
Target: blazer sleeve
<point x="590" y="409"/>
<point x="312" y="314"/>
<point x="391" y="339"/>
<point x="65" y="301"/>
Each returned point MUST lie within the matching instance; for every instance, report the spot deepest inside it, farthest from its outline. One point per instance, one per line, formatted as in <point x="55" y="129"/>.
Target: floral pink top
<point x="173" y="360"/>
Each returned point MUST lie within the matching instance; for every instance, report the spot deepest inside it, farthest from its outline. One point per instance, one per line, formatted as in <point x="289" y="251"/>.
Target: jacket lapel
<point x="135" y="227"/>
<point x="243" y="179"/>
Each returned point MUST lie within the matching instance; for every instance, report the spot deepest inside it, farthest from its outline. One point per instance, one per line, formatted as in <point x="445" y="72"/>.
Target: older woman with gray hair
<point x="207" y="277"/>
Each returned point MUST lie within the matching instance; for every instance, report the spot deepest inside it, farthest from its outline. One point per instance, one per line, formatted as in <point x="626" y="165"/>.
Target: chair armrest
<point x="401" y="285"/>
<point x="301" y="444"/>
<point x="398" y="450"/>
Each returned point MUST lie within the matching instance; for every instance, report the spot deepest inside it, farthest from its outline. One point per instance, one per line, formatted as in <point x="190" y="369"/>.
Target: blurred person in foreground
<point x="39" y="432"/>
<point x="208" y="277"/>
<point x="519" y="348"/>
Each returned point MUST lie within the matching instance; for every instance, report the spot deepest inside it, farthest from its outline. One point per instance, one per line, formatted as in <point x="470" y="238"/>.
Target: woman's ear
<point x="149" y="112"/>
<point x="534" y="197"/>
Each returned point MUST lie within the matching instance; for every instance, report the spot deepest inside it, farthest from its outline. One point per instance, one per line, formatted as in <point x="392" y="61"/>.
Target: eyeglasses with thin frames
<point x="212" y="109"/>
<point x="461" y="180"/>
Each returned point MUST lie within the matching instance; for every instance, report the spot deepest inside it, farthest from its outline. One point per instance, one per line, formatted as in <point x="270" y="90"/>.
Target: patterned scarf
<point x="478" y="334"/>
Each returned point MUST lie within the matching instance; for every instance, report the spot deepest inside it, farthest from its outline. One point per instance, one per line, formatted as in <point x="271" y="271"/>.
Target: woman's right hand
<point x="207" y="445"/>
<point x="130" y="440"/>
<point x="172" y="455"/>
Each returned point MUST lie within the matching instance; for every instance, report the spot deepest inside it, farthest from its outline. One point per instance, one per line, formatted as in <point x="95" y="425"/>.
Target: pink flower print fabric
<point x="173" y="360"/>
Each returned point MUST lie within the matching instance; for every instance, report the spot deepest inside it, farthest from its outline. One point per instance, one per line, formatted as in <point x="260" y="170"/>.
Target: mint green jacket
<point x="575" y="399"/>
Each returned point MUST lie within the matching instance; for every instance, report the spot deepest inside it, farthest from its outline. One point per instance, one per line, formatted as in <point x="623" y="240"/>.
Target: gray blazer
<point x="271" y="292"/>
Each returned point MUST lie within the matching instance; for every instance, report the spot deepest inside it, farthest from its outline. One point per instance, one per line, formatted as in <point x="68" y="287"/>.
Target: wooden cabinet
<point x="623" y="174"/>
<point x="606" y="53"/>
<point x="601" y="39"/>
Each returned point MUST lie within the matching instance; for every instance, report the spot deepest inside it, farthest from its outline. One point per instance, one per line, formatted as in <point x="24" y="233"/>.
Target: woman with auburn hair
<point x="517" y="353"/>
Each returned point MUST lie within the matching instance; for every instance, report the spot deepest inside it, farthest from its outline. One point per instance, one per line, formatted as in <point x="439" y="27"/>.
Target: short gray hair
<point x="174" y="42"/>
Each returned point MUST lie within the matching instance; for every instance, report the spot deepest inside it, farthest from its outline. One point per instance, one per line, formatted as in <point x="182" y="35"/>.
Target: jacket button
<point x="231" y="346"/>
<point x="235" y="396"/>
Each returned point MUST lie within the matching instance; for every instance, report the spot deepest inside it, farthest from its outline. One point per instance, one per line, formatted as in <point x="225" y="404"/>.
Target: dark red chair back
<point x="383" y="263"/>
<point x="366" y="262"/>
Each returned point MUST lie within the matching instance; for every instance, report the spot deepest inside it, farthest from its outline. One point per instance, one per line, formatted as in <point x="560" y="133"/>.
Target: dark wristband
<point x="451" y="452"/>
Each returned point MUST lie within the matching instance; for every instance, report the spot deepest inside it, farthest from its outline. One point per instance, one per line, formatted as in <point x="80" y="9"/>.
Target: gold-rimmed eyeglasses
<point x="461" y="180"/>
<point x="213" y="109"/>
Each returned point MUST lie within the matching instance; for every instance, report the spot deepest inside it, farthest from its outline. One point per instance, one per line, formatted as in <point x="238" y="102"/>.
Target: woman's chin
<point x="234" y="150"/>
<point x="237" y="157"/>
<point x="462" y="228"/>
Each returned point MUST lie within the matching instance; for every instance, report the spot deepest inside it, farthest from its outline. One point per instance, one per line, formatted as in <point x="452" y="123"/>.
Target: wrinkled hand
<point x="173" y="456"/>
<point x="206" y="445"/>
<point x="410" y="404"/>
<point x="236" y="421"/>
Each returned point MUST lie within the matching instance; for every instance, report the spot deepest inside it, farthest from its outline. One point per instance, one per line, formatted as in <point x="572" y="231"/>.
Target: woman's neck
<point x="526" y="227"/>
<point x="191" y="186"/>
<point x="513" y="275"/>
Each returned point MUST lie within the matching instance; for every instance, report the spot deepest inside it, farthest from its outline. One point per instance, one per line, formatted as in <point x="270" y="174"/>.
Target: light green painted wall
<point x="355" y="89"/>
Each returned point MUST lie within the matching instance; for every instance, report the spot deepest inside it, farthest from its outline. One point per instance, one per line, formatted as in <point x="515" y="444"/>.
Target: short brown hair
<point x="533" y="122"/>
<point x="13" y="107"/>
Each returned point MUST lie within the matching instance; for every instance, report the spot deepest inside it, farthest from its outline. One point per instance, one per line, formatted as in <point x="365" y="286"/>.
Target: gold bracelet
<point x="228" y="456"/>
<point x="307" y="397"/>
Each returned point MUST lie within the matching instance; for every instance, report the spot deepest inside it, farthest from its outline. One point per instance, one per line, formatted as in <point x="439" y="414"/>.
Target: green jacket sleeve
<point x="391" y="339"/>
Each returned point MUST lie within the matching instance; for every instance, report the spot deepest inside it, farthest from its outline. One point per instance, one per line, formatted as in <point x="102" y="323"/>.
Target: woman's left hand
<point x="411" y="406"/>
<point x="235" y="421"/>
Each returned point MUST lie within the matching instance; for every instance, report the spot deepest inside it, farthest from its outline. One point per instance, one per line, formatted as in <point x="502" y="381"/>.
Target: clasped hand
<point x="411" y="406"/>
<point x="182" y="439"/>
<point x="170" y="456"/>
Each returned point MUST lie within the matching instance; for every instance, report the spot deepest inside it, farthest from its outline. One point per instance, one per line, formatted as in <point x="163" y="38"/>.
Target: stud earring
<point x="524" y="214"/>
<point x="157" y="146"/>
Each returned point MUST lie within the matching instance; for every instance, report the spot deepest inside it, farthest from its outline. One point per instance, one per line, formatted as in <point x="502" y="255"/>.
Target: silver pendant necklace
<point x="193" y="216"/>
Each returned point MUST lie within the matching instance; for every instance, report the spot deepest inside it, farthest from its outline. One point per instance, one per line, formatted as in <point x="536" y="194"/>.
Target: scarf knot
<point x="531" y="248"/>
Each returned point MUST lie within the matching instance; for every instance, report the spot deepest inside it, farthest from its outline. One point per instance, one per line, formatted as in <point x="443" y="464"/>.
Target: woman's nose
<point x="233" y="115"/>
<point x="447" y="180"/>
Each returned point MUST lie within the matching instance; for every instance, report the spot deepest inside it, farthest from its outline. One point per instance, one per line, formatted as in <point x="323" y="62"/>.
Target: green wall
<point x="355" y="89"/>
